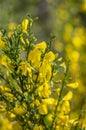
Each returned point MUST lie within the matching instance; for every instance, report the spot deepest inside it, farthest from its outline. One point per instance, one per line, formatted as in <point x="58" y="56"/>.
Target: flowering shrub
<point x="35" y="87"/>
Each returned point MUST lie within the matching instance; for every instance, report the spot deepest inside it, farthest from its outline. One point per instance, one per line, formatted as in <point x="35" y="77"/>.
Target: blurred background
<point x="66" y="19"/>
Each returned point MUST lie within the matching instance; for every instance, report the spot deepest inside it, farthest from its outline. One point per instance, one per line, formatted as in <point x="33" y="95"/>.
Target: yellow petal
<point x="41" y="46"/>
<point x="50" y="56"/>
<point x="43" y="109"/>
<point x="68" y="96"/>
<point x="24" y="25"/>
<point x="73" y="85"/>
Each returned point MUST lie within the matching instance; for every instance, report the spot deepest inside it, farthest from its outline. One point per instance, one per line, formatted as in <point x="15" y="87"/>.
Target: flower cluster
<point x="33" y="82"/>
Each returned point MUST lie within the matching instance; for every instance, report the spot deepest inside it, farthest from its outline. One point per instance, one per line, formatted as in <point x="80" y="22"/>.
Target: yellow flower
<point x="73" y="85"/>
<point x="43" y="109"/>
<point x="10" y="116"/>
<point x="50" y="56"/>
<point x="38" y="127"/>
<point x="63" y="119"/>
<point x="65" y="106"/>
<point x="35" y="55"/>
<point x="24" y="25"/>
<point x="4" y="60"/>
<point x="68" y="96"/>
<point x="49" y="101"/>
<point x="2" y="43"/>
<point x="5" y="124"/>
<point x="25" y="68"/>
<point x="12" y="26"/>
<point x="46" y="92"/>
<point x="4" y="89"/>
<point x="39" y="90"/>
<point x="18" y="110"/>
<point x="45" y="72"/>
<point x="41" y="46"/>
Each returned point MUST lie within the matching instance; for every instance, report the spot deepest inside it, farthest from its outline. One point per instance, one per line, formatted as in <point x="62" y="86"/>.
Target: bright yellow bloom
<point x="41" y="46"/>
<point x="24" y="25"/>
<point x="43" y="109"/>
<point x="46" y="92"/>
<point x="4" y="60"/>
<point x="49" y="101"/>
<point x="35" y="55"/>
<point x="5" y="124"/>
<point x="50" y="56"/>
<point x="73" y="85"/>
<point x="68" y="96"/>
<point x="45" y="72"/>
<point x="63" y="119"/>
<point x="65" y="107"/>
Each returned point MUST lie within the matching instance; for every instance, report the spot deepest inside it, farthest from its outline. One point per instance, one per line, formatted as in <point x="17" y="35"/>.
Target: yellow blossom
<point x="65" y="106"/>
<point x="4" y="89"/>
<point x="68" y="96"/>
<point x="45" y="72"/>
<point x="49" y="101"/>
<point x="43" y="109"/>
<point x="4" y="60"/>
<point x="35" y="57"/>
<point x="40" y="127"/>
<point x="63" y="119"/>
<point x="18" y="110"/>
<point x="50" y="56"/>
<point x="2" y="43"/>
<point x="12" y="26"/>
<point x="24" y="25"/>
<point x="73" y="85"/>
<point x="46" y="92"/>
<point x="25" y="68"/>
<point x="41" y="46"/>
<point x="10" y="116"/>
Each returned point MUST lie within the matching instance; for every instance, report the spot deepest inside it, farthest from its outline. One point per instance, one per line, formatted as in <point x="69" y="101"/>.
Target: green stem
<point x="59" y="98"/>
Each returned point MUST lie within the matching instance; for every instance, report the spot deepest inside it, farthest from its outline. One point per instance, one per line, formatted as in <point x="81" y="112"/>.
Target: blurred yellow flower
<point x="68" y="96"/>
<point x="2" y="43"/>
<point x="43" y="109"/>
<point x="73" y="85"/>
<point x="4" y="89"/>
<point x="40" y="127"/>
<point x="18" y="110"/>
<point x="12" y="26"/>
<point x="65" y="107"/>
